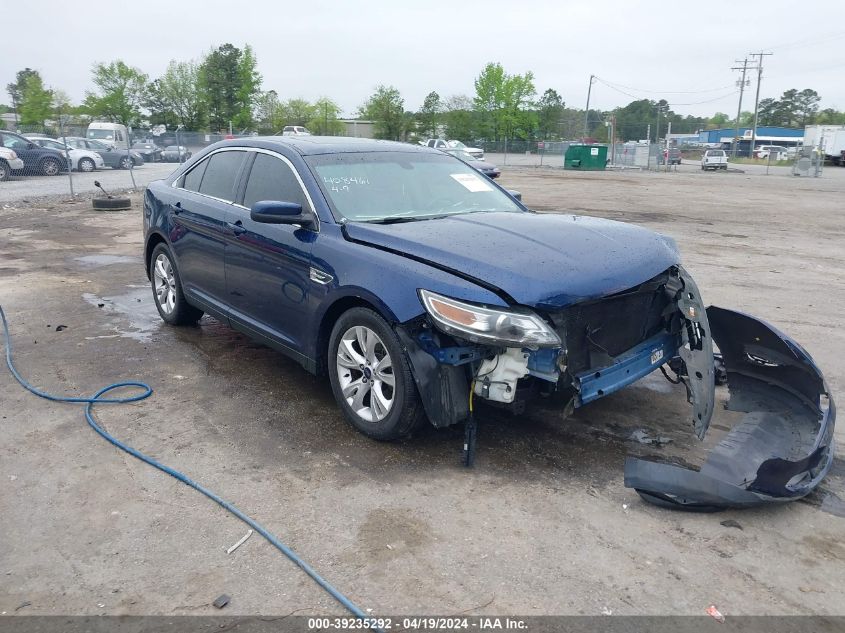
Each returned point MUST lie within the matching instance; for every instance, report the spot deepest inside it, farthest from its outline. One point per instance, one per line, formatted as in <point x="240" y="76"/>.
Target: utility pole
<point x="587" y="111"/>
<point x="760" y="56"/>
<point x="743" y="68"/>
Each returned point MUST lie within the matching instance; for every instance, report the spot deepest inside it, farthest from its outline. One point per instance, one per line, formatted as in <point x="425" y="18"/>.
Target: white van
<point x="109" y="133"/>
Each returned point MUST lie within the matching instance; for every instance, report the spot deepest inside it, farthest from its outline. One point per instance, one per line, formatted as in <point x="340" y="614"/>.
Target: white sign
<point x="594" y="151"/>
<point x="472" y="182"/>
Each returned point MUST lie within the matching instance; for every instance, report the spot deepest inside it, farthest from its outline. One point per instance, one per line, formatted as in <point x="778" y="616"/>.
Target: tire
<point x="403" y="412"/>
<point x="125" y="162"/>
<point x="50" y="167"/>
<point x="111" y="204"/>
<point x="86" y="165"/>
<point x="167" y="289"/>
<point x="725" y="167"/>
<point x="5" y="171"/>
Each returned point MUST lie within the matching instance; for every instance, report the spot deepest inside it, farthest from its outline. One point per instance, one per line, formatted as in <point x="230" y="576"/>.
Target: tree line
<point x="223" y="91"/>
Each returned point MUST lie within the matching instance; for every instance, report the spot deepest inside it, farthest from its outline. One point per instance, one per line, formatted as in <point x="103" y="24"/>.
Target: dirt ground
<point x="541" y="525"/>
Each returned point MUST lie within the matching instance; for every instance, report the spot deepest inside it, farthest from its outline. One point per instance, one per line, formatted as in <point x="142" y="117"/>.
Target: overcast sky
<point x="344" y="49"/>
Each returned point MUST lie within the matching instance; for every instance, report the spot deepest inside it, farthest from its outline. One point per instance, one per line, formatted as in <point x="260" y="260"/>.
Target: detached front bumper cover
<point x="783" y="446"/>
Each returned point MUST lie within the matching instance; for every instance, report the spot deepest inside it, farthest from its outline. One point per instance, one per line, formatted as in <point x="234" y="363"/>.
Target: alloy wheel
<point x="365" y="373"/>
<point x="165" y="283"/>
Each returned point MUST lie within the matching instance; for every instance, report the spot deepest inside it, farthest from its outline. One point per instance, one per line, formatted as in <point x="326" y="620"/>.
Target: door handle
<point x="237" y="228"/>
<point x="176" y="208"/>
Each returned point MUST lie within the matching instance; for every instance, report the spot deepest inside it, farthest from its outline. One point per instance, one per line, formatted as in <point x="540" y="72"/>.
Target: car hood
<point x="541" y="260"/>
<point x="483" y="165"/>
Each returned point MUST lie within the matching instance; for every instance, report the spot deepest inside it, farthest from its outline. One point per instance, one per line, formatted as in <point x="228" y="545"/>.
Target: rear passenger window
<point x="220" y="175"/>
<point x="272" y="179"/>
<point x="193" y="178"/>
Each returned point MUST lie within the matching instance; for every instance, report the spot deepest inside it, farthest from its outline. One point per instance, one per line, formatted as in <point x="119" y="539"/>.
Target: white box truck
<point x="828" y="138"/>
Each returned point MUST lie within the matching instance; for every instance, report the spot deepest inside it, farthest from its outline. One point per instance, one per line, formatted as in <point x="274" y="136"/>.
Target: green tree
<point x="719" y="120"/>
<point x="229" y="84"/>
<point x="830" y="116"/>
<point x="386" y="109"/>
<point x="36" y="104"/>
<point x="324" y="121"/>
<point x="429" y="114"/>
<point x="15" y="89"/>
<point x="502" y="101"/>
<point x="549" y="112"/>
<point x="121" y="93"/>
<point x="267" y="118"/>
<point x="459" y="117"/>
<point x="177" y="97"/>
<point x="297" y="112"/>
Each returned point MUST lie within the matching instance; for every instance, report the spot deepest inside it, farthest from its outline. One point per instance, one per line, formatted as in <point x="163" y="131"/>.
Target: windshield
<point x="104" y="134"/>
<point x="406" y="186"/>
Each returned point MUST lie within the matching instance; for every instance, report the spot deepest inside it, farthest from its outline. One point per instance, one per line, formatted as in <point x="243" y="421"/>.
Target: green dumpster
<point x="585" y="157"/>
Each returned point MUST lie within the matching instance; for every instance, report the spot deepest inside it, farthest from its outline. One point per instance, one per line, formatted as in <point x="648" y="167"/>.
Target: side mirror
<point x="515" y="194"/>
<point x="278" y="212"/>
<point x="31" y="145"/>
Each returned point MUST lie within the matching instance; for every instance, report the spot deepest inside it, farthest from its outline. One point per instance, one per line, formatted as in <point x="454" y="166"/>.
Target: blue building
<point x="766" y="135"/>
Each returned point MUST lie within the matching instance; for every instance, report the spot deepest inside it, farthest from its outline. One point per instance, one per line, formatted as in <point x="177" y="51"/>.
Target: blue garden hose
<point x="146" y="392"/>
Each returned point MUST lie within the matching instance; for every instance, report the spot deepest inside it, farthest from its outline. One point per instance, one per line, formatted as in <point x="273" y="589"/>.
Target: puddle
<point x="107" y="260"/>
<point x="135" y="314"/>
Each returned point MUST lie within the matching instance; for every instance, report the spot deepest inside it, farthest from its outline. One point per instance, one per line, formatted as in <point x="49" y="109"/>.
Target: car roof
<point x="313" y="145"/>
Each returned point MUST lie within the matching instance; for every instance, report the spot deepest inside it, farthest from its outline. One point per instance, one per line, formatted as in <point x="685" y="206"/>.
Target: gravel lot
<point x="541" y="525"/>
<point x="113" y="180"/>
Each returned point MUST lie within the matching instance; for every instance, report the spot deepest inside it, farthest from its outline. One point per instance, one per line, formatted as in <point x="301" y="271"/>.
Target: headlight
<point x="12" y="155"/>
<point x="487" y="325"/>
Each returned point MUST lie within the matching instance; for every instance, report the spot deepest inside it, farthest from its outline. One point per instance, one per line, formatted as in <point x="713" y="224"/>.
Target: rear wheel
<point x="371" y="378"/>
<point x="167" y="290"/>
<point x="50" y="167"/>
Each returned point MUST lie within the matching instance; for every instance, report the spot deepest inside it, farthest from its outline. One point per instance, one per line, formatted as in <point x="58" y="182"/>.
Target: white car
<point x="778" y="152"/>
<point x="295" y="130"/>
<point x="442" y="144"/>
<point x="8" y="161"/>
<point x="81" y="159"/>
<point x="714" y="159"/>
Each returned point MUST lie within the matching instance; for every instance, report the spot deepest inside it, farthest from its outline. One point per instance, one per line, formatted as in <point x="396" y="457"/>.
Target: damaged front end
<point x="782" y="447"/>
<point x="780" y="450"/>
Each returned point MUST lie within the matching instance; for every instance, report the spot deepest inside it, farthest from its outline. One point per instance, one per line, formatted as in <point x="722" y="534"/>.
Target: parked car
<point x="295" y="130"/>
<point x="673" y="154"/>
<point x="9" y="162"/>
<point x="417" y="285"/>
<point x="36" y="159"/>
<point x="112" y="156"/>
<point x="176" y="154"/>
<point x="149" y="150"/>
<point x="488" y="169"/>
<point x="714" y="159"/>
<point x="439" y="143"/>
<point x="81" y="159"/>
<point x="778" y="152"/>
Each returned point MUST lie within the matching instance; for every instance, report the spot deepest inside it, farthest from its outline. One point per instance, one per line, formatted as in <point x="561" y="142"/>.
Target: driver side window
<point x="272" y="179"/>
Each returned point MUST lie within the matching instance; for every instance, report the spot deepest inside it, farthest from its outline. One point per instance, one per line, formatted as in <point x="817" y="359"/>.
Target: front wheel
<point x="167" y="290"/>
<point x="371" y="378"/>
<point x="5" y="171"/>
<point x="125" y="162"/>
<point x="86" y="164"/>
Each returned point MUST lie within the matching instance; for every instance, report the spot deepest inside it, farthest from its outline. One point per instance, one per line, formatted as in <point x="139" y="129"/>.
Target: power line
<point x="673" y="92"/>
<point x="711" y="100"/>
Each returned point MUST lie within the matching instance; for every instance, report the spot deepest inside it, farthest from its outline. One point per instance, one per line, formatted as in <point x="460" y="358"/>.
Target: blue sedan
<point x="416" y="285"/>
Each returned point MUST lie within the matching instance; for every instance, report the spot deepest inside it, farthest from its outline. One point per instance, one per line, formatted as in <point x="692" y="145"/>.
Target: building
<point x="360" y="129"/>
<point x="766" y="135"/>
